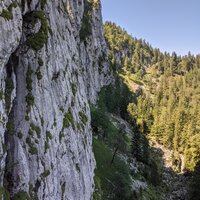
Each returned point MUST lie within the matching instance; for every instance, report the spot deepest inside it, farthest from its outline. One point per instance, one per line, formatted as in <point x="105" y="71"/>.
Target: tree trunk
<point x="114" y="154"/>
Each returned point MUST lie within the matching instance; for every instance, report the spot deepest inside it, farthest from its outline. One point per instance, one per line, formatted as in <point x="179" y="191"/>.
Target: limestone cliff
<point x="52" y="64"/>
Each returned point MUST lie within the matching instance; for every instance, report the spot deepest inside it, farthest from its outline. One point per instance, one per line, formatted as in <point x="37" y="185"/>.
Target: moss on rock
<point x="38" y="40"/>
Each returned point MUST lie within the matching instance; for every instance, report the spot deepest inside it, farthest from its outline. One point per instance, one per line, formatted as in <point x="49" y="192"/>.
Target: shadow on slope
<point x="127" y="167"/>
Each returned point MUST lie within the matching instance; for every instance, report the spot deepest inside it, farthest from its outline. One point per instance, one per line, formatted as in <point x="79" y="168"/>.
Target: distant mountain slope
<point x="163" y="108"/>
<point x="169" y="94"/>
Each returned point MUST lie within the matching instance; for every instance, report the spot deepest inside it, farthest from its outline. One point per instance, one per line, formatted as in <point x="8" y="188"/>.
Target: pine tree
<point x="136" y="148"/>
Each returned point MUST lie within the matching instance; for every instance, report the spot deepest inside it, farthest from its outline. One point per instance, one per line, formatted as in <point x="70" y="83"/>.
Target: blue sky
<point x="171" y="25"/>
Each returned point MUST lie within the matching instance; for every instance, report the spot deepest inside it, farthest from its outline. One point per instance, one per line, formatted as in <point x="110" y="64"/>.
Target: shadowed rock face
<point x="51" y="67"/>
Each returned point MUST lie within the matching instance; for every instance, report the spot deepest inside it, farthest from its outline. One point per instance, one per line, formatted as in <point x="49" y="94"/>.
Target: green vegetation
<point x="83" y="118"/>
<point x="29" y="96"/>
<point x="28" y="78"/>
<point x="112" y="179"/>
<point x="38" y="40"/>
<point x="12" y="5"/>
<point x="176" y="115"/>
<point x="36" y="129"/>
<point x="22" y="195"/>
<point x="86" y="29"/>
<point x="38" y="73"/>
<point x="95" y="4"/>
<point x="48" y="136"/>
<point x="43" y="3"/>
<point x="33" y="129"/>
<point x="10" y="126"/>
<point x="4" y="194"/>
<point x="29" y="100"/>
<point x="8" y="91"/>
<point x="7" y="13"/>
<point x="32" y="148"/>
<point x="1" y="95"/>
<point x="68" y="120"/>
<point x="113" y="175"/>
<point x="46" y="146"/>
<point x="165" y="104"/>
<point x="40" y="62"/>
<point x="74" y="88"/>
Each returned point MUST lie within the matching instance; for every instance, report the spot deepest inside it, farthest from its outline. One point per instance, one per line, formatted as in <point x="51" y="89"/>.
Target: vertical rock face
<point x="52" y="64"/>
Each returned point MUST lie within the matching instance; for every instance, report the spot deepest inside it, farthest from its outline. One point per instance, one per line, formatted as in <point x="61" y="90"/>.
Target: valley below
<point x="87" y="111"/>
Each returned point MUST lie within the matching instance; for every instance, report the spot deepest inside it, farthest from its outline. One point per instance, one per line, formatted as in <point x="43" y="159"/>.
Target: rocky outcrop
<point x="52" y="64"/>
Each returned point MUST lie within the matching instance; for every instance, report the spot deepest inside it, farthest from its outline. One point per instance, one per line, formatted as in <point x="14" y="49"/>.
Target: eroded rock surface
<point x="52" y="64"/>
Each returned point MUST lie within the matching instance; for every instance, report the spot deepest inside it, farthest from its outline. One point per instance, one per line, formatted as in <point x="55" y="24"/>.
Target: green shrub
<point x="30" y="132"/>
<point x="1" y="95"/>
<point x="83" y="117"/>
<point x="68" y="120"/>
<point x="48" y="136"/>
<point x="7" y="14"/>
<point x="36" y="129"/>
<point x="46" y="146"/>
<point x="151" y="194"/>
<point x="74" y="88"/>
<point x="22" y="195"/>
<point x="38" y="40"/>
<point x="38" y="73"/>
<point x="10" y="127"/>
<point x="4" y="194"/>
<point x="29" y="99"/>
<point x="8" y="91"/>
<point x="28" y="78"/>
<point x="40" y="62"/>
<point x="32" y="149"/>
<point x="97" y="195"/>
<point x="12" y="5"/>
<point x="29" y="96"/>
<point x="113" y="180"/>
<point x="86" y="28"/>
<point x="43" y="3"/>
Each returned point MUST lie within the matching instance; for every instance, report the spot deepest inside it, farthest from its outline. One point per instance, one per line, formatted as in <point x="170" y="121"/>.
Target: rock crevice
<point x="48" y="76"/>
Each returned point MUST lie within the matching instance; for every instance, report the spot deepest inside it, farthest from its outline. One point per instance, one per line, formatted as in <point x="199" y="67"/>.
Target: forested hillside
<point x="162" y="106"/>
<point x="167" y="107"/>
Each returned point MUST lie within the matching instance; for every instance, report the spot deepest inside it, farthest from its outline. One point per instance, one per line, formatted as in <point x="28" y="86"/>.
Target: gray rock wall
<point x="52" y="64"/>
